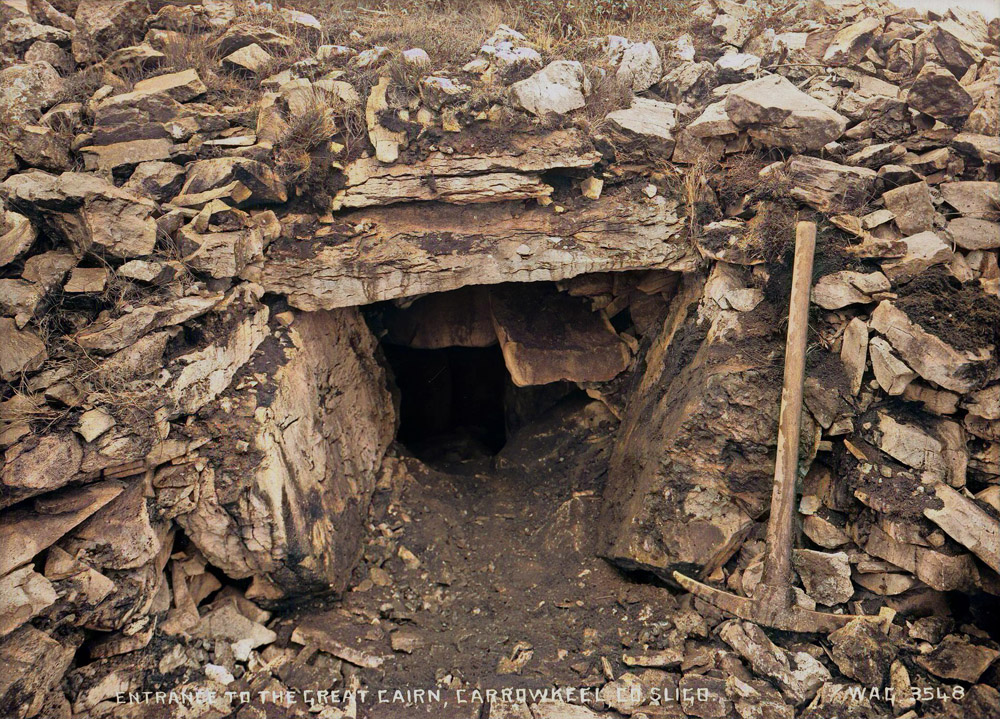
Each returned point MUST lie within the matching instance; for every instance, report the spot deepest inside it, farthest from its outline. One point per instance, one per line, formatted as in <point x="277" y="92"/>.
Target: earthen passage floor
<point x="508" y="591"/>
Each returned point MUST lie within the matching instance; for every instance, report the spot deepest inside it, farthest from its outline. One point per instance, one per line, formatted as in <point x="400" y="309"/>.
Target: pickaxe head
<point x="777" y="615"/>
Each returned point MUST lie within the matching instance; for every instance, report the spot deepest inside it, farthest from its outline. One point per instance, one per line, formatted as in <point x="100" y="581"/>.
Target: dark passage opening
<point x="451" y="400"/>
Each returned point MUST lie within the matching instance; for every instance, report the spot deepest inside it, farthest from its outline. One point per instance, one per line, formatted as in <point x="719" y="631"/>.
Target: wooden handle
<point x="778" y="560"/>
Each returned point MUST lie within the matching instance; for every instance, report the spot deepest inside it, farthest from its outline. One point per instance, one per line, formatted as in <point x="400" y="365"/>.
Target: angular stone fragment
<point x="891" y="373"/>
<point x="972" y="233"/>
<point x="912" y="207"/>
<point x="26" y="91"/>
<point x="113" y="334"/>
<point x="559" y="87"/>
<point x="158" y="180"/>
<point x="23" y="594"/>
<point x="826" y="577"/>
<point x="827" y="186"/>
<point x="20" y="350"/>
<point x="17" y="235"/>
<point x="958" y="48"/>
<point x="851" y="43"/>
<point x="854" y="352"/>
<point x="26" y="532"/>
<point x="645" y="119"/>
<point x="87" y="210"/>
<point x="956" y="658"/>
<point x="34" y="663"/>
<point x="226" y="624"/>
<point x="862" y="651"/>
<point x="86" y="279"/>
<point x="547" y="336"/>
<point x="930" y="356"/>
<point x="778" y="114"/>
<point x="923" y="250"/>
<point x="120" y="156"/>
<point x="973" y="198"/>
<point x="640" y="67"/>
<point x="799" y="675"/>
<point x="250" y="58"/>
<point x="936" y="92"/>
<point x="220" y="254"/>
<point x="967" y="523"/>
<point x="840" y="289"/>
<point x="107" y="25"/>
<point x="263" y="183"/>
<point x="20" y="298"/>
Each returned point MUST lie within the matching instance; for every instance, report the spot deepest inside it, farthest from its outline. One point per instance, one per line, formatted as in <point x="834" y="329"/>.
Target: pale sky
<point x="989" y="8"/>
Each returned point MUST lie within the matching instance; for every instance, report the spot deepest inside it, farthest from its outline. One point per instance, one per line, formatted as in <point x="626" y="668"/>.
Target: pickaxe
<point x="773" y="604"/>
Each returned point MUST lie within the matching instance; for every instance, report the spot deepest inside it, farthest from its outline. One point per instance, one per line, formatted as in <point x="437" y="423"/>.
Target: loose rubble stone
<point x="799" y="675"/>
<point x="862" y="651"/>
<point x="560" y="87"/>
<point x="639" y="68"/>
<point x="826" y="577"/>
<point x="20" y="350"/>
<point x="851" y="43"/>
<point x="956" y="658"/>
<point x="938" y="93"/>
<point x="26" y="91"/>
<point x="911" y="207"/>
<point x="778" y="114"/>
<point x="88" y="211"/>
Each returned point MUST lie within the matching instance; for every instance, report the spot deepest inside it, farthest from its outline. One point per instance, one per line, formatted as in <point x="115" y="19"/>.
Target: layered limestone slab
<point x="385" y="253"/>
<point x="470" y="176"/>
<point x="547" y="336"/>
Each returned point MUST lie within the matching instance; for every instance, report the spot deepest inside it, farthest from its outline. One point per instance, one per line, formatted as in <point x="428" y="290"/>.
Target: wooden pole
<point x="775" y="595"/>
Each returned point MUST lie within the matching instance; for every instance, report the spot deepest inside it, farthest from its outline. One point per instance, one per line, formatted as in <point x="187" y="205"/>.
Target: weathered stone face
<point x="284" y="495"/>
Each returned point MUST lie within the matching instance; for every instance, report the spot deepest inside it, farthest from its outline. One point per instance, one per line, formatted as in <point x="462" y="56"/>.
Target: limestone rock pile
<point x="194" y="202"/>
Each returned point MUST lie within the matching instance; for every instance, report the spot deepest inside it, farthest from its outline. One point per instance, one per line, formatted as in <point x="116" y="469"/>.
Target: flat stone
<point x="87" y="279"/>
<point x="923" y="250"/>
<point x="826" y="577"/>
<point x="840" y="289"/>
<point x="956" y="658"/>
<point x="587" y="349"/>
<point x="645" y="119"/>
<point x="20" y="350"/>
<point x="27" y="532"/>
<point x="828" y="186"/>
<point x="971" y="198"/>
<point x="778" y="114"/>
<point x="972" y="233"/>
<point x="250" y="58"/>
<point x="912" y="207"/>
<point x="862" y="651"/>
<point x="182" y="86"/>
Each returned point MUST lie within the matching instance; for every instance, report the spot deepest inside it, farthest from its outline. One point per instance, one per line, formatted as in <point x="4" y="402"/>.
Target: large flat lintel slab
<point x="385" y="253"/>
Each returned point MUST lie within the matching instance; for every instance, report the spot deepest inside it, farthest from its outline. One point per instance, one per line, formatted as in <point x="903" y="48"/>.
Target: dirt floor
<point x="502" y="588"/>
